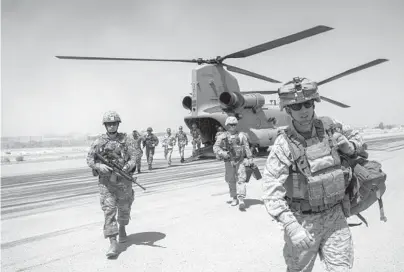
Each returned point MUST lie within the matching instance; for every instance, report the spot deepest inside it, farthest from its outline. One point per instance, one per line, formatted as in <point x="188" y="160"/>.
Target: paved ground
<point x="52" y="221"/>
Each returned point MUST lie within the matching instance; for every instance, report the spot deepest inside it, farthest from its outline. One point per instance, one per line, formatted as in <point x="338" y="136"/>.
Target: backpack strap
<point x="379" y="199"/>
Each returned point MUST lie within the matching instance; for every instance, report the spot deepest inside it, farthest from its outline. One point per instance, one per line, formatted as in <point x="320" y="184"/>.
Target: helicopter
<point x="216" y="95"/>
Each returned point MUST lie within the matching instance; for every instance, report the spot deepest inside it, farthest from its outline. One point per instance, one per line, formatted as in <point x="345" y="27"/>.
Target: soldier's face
<point x="148" y="132"/>
<point x="231" y="127"/>
<point x="303" y="115"/>
<point x="112" y="127"/>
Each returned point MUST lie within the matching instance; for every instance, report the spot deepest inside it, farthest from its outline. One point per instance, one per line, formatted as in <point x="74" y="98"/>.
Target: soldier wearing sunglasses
<point x="304" y="182"/>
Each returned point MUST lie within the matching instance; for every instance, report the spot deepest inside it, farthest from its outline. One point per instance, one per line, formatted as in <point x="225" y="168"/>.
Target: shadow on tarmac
<point x="141" y="238"/>
<point x="251" y="202"/>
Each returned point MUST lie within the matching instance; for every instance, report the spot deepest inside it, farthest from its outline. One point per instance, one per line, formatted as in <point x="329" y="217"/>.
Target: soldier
<point x="220" y="130"/>
<point x="232" y="146"/>
<point x="304" y="182"/>
<point x="182" y="142"/>
<point x="137" y="139"/>
<point x="150" y="141"/>
<point x="115" y="192"/>
<point x="168" y="144"/>
<point x="196" y="139"/>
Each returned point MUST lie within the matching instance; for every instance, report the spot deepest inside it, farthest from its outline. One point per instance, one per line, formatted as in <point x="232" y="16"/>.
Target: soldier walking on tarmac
<point x="182" y="142"/>
<point x="137" y="140"/>
<point x="168" y="144"/>
<point x="304" y="182"/>
<point x="233" y="147"/>
<point x="150" y="141"/>
<point x="196" y="139"/>
<point x="116" y="193"/>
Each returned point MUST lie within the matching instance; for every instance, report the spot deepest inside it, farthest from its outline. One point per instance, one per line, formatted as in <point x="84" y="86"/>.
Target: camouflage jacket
<point x="279" y="161"/>
<point x="150" y="140"/>
<point x="196" y="134"/>
<point x="237" y="144"/>
<point x="121" y="150"/>
<point x="182" y="138"/>
<point x="169" y="141"/>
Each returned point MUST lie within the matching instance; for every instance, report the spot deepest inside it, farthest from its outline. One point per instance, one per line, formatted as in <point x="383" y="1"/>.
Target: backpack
<point x="367" y="186"/>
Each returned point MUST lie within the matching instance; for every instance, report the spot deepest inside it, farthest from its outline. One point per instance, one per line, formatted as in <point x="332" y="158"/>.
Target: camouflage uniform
<point x="182" y="142"/>
<point x="235" y="174"/>
<point x="116" y="193"/>
<point x="137" y="142"/>
<point x="150" y="142"/>
<point x="196" y="140"/>
<point x="168" y="144"/>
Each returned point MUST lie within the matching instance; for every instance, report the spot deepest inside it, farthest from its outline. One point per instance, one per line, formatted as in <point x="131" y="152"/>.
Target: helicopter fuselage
<point x="216" y="95"/>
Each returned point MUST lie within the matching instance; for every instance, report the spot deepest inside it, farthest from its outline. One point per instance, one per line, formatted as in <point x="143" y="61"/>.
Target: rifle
<point x="117" y="169"/>
<point x="251" y="169"/>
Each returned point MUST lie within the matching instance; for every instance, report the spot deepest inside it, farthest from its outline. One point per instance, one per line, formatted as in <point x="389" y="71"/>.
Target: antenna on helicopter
<point x="240" y="54"/>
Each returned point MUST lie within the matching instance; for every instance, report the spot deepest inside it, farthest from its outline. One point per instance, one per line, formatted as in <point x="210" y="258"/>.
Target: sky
<point x="43" y="95"/>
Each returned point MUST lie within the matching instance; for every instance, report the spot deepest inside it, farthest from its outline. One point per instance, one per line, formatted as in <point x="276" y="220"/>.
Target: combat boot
<point x="241" y="204"/>
<point x="182" y="160"/>
<point x="150" y="167"/>
<point x="113" y="248"/>
<point x="123" y="238"/>
<point x="234" y="202"/>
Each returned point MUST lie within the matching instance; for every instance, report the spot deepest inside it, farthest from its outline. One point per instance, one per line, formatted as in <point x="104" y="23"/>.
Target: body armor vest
<point x="181" y="138"/>
<point x="195" y="133"/>
<point x="116" y="149"/>
<point x="149" y="140"/>
<point x="316" y="176"/>
<point x="235" y="146"/>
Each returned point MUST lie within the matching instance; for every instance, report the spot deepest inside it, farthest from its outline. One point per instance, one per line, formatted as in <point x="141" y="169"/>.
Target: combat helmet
<point x="149" y="129"/>
<point x="111" y="117"/>
<point x="297" y="91"/>
<point x="231" y="120"/>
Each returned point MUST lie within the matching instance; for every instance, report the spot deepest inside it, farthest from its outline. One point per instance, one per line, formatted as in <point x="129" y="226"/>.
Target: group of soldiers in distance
<point x="149" y="141"/>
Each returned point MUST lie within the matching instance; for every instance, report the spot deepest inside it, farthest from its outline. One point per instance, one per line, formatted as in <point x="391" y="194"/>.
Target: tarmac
<point x="52" y="221"/>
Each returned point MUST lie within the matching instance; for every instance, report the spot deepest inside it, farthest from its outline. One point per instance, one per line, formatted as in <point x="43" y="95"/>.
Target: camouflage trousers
<point x="116" y="198"/>
<point x="333" y="242"/>
<point x="167" y="154"/>
<point x="196" y="145"/>
<point x="235" y="177"/>
<point x="181" y="149"/>
<point x="149" y="154"/>
<point x="139" y="161"/>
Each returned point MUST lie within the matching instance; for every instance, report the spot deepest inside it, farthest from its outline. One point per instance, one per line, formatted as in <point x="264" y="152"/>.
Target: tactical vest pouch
<point x="315" y="190"/>
<point x="334" y="186"/>
<point x="296" y="186"/>
<point x="319" y="157"/>
<point x="369" y="188"/>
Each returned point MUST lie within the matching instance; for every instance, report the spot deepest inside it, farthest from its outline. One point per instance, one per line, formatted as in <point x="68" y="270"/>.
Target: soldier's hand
<point x="299" y="236"/>
<point x="344" y="145"/>
<point x="104" y="168"/>
<point x="226" y="156"/>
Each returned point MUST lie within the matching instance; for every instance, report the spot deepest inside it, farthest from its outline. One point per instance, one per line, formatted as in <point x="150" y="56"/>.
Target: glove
<point x="103" y="168"/>
<point x="299" y="236"/>
<point x="344" y="145"/>
<point x="226" y="156"/>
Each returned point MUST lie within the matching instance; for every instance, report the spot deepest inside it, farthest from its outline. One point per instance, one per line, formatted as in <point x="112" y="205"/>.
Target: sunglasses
<point x="233" y="125"/>
<point x="297" y="107"/>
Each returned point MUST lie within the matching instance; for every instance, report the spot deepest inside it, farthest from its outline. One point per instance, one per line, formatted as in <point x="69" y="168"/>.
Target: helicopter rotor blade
<point x="260" y="92"/>
<point x="353" y="70"/>
<point x="249" y="73"/>
<point x="339" y="104"/>
<point x="127" y="59"/>
<point x="279" y="42"/>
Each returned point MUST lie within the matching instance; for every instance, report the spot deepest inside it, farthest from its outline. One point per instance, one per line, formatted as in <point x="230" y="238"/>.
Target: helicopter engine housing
<point x="187" y="103"/>
<point x="238" y="100"/>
